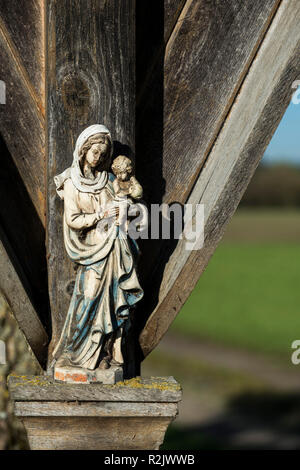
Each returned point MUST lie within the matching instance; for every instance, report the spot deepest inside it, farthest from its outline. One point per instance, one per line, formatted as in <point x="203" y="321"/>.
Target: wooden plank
<point x="24" y="22"/>
<point x="28" y="320"/>
<point x="43" y="388"/>
<point x="172" y="10"/>
<point x="22" y="69"/>
<point x="81" y="433"/>
<point x="104" y="409"/>
<point x="203" y="71"/>
<point x="252" y="120"/>
<point x="22" y="144"/>
<point x="189" y="98"/>
<point x="91" y="79"/>
<point x="153" y="29"/>
<point x="23" y="236"/>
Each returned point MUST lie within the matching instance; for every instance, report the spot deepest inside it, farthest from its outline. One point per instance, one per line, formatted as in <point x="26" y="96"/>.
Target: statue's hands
<point x="113" y="212"/>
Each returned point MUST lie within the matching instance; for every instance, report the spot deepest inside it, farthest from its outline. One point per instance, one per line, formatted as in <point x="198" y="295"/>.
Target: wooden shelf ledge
<point x="133" y="414"/>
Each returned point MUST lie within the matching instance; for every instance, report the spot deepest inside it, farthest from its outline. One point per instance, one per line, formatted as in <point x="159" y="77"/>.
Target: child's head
<point x="122" y="167"/>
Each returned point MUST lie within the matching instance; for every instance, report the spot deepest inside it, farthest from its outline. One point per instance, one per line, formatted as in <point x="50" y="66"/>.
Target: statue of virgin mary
<point x="106" y="286"/>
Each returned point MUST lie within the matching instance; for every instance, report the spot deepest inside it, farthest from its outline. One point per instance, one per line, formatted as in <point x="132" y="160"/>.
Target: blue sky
<point x="285" y="144"/>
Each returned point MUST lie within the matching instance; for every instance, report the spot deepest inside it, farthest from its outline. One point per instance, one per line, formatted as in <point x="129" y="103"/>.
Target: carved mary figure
<point x="106" y="285"/>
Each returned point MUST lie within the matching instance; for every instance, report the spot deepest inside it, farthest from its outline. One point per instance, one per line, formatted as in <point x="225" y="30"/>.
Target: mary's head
<point x="95" y="153"/>
<point x="91" y="161"/>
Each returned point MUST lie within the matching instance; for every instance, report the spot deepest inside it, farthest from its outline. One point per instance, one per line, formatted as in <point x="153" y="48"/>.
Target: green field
<point x="249" y="295"/>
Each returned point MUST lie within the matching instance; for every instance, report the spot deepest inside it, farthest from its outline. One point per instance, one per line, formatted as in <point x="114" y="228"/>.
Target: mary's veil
<point x="84" y="185"/>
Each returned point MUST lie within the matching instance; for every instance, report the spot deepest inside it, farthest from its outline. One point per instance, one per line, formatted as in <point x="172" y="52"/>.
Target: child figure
<point x="125" y="183"/>
<point x="127" y="189"/>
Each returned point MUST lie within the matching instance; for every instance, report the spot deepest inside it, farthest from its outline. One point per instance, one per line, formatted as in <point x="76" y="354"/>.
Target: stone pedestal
<point x="129" y="415"/>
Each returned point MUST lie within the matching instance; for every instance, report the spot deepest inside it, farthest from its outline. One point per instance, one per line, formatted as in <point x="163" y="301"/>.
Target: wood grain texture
<point x="203" y="71"/>
<point x="22" y="146"/>
<point x="26" y="316"/>
<point x="81" y="433"/>
<point x="22" y="68"/>
<point x="172" y="10"/>
<point x="23" y="235"/>
<point x="103" y="409"/>
<point x="206" y="59"/>
<point x="253" y="118"/>
<point x="44" y="389"/>
<point x="91" y="79"/>
<point x="24" y="21"/>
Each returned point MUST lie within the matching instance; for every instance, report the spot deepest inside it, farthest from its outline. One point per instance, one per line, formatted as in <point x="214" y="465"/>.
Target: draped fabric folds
<point x="106" y="285"/>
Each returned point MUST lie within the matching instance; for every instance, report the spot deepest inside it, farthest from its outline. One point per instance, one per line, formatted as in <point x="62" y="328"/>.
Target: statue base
<point x="131" y="415"/>
<point x="75" y="375"/>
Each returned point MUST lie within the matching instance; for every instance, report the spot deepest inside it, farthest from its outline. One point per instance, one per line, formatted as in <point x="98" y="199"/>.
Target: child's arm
<point x="136" y="190"/>
<point x="116" y="185"/>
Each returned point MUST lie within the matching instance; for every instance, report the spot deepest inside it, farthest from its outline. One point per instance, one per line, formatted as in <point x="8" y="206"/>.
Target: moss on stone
<point x="137" y="382"/>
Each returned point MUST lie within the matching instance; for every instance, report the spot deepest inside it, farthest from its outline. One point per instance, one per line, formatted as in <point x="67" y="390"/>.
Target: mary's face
<point x="97" y="154"/>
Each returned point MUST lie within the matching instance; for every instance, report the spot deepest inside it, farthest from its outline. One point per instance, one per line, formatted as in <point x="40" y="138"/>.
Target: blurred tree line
<point x="276" y="185"/>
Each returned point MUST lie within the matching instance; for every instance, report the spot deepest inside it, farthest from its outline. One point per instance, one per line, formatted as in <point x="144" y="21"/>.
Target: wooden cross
<point x="194" y="89"/>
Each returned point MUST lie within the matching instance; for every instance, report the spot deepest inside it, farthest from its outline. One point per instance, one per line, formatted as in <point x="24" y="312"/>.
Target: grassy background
<point x="246" y="302"/>
<point x="249" y="294"/>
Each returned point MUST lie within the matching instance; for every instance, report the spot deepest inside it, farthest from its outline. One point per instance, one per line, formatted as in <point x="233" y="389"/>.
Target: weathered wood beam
<point x="162" y="390"/>
<point x="249" y="126"/>
<point x="22" y="68"/>
<point x="91" y="79"/>
<point x="206" y="59"/>
<point x="155" y="23"/>
<point x="203" y="71"/>
<point x="27" y="318"/>
<point x="23" y="236"/>
<point x="105" y="410"/>
<point x="22" y="147"/>
<point x="172" y="11"/>
<point x="190" y="94"/>
<point x="200" y="76"/>
<point x="24" y="23"/>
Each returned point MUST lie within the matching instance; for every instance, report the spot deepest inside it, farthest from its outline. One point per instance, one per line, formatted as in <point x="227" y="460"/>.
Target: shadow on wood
<point x="23" y="236"/>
